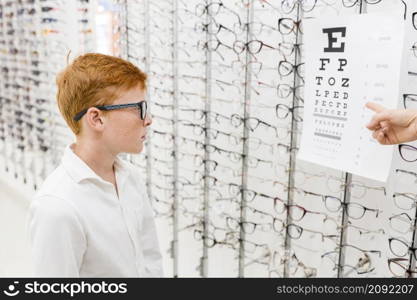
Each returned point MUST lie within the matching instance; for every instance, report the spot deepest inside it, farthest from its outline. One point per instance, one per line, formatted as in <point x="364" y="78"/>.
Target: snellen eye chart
<point x="350" y="60"/>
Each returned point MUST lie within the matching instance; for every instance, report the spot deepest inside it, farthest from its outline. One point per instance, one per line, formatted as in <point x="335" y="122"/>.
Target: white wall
<point x="14" y="247"/>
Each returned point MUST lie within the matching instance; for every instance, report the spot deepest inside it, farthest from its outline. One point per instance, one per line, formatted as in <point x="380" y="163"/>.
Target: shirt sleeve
<point x="151" y="251"/>
<point x="57" y="238"/>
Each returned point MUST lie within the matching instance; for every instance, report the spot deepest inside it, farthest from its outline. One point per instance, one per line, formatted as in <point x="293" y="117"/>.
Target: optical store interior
<point x="226" y="92"/>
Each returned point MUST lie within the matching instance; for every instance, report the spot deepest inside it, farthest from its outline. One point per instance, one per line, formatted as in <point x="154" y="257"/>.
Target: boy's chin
<point x="138" y="149"/>
<point x="134" y="149"/>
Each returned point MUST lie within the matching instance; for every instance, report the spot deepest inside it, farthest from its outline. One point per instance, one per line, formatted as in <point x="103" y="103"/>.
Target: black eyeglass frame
<point x="141" y="105"/>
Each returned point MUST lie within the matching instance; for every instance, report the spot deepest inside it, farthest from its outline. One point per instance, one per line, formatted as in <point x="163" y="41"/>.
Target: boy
<point x="92" y="217"/>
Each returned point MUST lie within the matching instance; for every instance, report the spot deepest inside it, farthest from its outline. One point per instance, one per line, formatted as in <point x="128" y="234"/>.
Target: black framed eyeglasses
<point x="410" y="100"/>
<point x="408" y="152"/>
<point x="400" y="248"/>
<point x="141" y="106"/>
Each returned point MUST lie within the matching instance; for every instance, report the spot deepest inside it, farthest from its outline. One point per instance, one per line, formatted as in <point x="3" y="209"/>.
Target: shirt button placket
<point x="127" y="220"/>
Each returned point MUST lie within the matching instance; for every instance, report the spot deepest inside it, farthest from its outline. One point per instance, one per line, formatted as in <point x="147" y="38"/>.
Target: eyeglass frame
<point x="141" y="105"/>
<point x="407" y="271"/>
<point x="411" y="250"/>
<point x="400" y="148"/>
<point x="409" y="96"/>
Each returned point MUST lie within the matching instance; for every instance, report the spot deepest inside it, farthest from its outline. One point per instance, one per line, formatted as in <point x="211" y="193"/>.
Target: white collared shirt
<point x="79" y="227"/>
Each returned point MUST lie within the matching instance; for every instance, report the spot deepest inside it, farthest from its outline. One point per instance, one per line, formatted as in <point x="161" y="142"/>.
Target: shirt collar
<point x="80" y="171"/>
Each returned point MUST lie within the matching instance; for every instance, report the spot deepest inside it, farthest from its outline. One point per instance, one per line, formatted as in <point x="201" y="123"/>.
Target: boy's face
<point x="125" y="130"/>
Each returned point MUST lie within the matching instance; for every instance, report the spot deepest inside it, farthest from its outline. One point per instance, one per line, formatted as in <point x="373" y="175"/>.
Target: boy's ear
<point x="94" y="118"/>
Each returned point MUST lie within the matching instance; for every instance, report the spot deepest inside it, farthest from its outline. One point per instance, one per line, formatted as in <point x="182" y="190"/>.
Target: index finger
<point x="374" y="124"/>
<point x="375" y="107"/>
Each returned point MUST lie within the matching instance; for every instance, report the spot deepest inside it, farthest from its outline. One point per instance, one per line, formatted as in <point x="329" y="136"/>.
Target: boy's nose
<point x="148" y="119"/>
